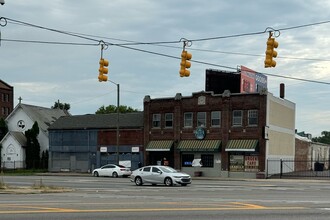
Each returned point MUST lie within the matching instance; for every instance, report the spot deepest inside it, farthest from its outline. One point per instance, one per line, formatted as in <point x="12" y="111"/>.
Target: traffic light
<point x="103" y="70"/>
<point x="271" y="53"/>
<point x="185" y="56"/>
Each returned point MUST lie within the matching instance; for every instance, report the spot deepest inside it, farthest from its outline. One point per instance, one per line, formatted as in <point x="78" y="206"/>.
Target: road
<point x="118" y="198"/>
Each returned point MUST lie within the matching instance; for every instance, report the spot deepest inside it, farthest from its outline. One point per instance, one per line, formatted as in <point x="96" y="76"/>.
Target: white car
<point x="112" y="170"/>
<point x="159" y="175"/>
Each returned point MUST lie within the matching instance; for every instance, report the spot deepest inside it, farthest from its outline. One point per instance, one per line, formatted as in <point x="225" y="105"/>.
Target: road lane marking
<point x="221" y="207"/>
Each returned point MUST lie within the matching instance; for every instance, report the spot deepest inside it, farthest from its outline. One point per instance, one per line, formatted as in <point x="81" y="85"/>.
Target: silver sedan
<point x="159" y="175"/>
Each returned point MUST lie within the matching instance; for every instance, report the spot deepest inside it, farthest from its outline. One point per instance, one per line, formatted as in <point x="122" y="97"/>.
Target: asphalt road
<point x="110" y="198"/>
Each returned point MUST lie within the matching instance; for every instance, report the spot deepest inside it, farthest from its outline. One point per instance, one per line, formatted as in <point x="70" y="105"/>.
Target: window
<point x="253" y="117"/>
<point x="168" y="120"/>
<point x="146" y="169"/>
<point x="237" y="117"/>
<point x="216" y="119"/>
<point x="207" y="160"/>
<point x="201" y="119"/>
<point x="156" y="120"/>
<point x="188" y="119"/>
<point x="155" y="170"/>
<point x="187" y="160"/>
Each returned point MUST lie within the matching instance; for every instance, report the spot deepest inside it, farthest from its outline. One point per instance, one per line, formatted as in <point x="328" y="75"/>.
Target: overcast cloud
<point x="44" y="73"/>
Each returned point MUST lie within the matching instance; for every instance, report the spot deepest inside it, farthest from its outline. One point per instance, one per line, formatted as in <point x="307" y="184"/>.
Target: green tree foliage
<point x="324" y="138"/>
<point x="3" y="128"/>
<point x="113" y="109"/>
<point x="64" y="106"/>
<point x="32" y="149"/>
<point x="3" y="131"/>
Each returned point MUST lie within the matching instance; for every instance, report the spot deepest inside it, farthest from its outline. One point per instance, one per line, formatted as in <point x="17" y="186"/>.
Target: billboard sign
<point x="251" y="81"/>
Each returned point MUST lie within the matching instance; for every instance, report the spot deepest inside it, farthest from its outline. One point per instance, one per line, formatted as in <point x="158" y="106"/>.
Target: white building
<point x="20" y="120"/>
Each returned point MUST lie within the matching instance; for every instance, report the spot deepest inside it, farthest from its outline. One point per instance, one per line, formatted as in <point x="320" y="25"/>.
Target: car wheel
<point x="138" y="181"/>
<point x="96" y="174"/>
<point x="114" y="174"/>
<point x="168" y="181"/>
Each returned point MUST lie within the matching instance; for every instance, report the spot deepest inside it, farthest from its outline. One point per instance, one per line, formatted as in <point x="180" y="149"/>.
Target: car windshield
<point x="168" y="170"/>
<point x="121" y="166"/>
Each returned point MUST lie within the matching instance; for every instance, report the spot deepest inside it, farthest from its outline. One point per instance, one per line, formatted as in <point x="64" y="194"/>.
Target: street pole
<point x="117" y="132"/>
<point x="117" y="136"/>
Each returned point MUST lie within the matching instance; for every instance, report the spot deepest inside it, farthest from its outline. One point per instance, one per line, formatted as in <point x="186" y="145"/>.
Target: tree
<point x="32" y="150"/>
<point x="113" y="109"/>
<point x="63" y="106"/>
<point x="3" y="132"/>
<point x="324" y="138"/>
<point x="3" y="128"/>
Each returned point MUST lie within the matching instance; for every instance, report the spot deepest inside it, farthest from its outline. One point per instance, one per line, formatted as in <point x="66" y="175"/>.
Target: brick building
<point x="82" y="143"/>
<point x="231" y="134"/>
<point x="6" y="99"/>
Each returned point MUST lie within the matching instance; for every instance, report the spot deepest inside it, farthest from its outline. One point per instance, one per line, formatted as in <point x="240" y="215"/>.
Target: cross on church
<point x="20" y="100"/>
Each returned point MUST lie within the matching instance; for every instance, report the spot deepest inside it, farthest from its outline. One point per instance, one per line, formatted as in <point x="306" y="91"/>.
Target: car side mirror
<point x="160" y="172"/>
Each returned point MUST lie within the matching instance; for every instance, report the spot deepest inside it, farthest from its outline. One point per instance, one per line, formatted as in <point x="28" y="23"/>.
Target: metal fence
<point x="14" y="165"/>
<point x="297" y="169"/>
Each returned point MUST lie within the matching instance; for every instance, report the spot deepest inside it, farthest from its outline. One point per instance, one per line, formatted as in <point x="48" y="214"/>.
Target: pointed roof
<point x="99" y="121"/>
<point x="19" y="136"/>
<point x="44" y="116"/>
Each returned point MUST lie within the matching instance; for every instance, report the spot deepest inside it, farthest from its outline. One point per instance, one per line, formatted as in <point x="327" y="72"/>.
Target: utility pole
<point x="117" y="130"/>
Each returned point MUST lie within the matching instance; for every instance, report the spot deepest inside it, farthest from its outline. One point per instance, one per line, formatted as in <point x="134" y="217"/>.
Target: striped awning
<point x="199" y="145"/>
<point x="159" y="145"/>
<point x="242" y="145"/>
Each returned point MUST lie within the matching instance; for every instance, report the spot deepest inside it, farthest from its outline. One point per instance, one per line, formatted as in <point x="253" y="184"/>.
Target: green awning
<point x="159" y="145"/>
<point x="242" y="145"/>
<point x="199" y="145"/>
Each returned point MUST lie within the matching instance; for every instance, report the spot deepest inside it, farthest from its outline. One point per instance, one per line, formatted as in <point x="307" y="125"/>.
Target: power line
<point x="87" y="37"/>
<point x="49" y="42"/>
<point x="166" y="42"/>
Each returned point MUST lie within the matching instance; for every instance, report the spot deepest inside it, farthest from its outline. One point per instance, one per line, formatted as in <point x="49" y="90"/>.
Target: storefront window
<point x="244" y="163"/>
<point x="236" y="163"/>
<point x="207" y="160"/>
<point x="251" y="164"/>
<point x="187" y="160"/>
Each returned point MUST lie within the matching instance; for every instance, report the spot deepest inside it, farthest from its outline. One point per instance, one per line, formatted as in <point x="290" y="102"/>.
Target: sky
<point x="223" y="35"/>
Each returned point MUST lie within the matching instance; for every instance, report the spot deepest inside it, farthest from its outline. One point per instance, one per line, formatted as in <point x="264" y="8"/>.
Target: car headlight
<point x="178" y="177"/>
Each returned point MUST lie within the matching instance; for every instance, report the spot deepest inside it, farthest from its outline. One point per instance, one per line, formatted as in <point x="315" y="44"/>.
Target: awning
<point x="159" y="145"/>
<point x="242" y="145"/>
<point x="199" y="145"/>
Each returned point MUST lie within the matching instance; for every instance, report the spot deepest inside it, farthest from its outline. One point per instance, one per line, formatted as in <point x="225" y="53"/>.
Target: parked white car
<point x="112" y="170"/>
<point x="159" y="175"/>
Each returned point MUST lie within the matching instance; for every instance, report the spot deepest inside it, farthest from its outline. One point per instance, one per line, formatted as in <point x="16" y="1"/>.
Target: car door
<point x="156" y="175"/>
<point x="106" y="170"/>
<point x="146" y="174"/>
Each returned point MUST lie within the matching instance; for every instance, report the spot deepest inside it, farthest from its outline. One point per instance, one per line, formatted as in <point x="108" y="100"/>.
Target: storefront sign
<point x="200" y="133"/>
<point x="251" y="164"/>
<point x="103" y="149"/>
<point x="135" y="149"/>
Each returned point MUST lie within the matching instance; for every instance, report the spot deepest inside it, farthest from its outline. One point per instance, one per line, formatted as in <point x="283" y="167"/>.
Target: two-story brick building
<point x="232" y="134"/>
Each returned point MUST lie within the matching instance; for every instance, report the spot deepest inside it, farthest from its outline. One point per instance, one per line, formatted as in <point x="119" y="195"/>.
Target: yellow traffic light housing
<point x="270" y="52"/>
<point x="185" y="64"/>
<point x="103" y="70"/>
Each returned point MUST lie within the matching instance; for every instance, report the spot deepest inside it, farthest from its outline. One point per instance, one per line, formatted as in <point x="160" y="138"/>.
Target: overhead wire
<point x="126" y="45"/>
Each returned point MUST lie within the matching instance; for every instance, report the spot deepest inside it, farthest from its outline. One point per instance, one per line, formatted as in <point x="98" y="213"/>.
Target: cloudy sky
<point x="233" y="32"/>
